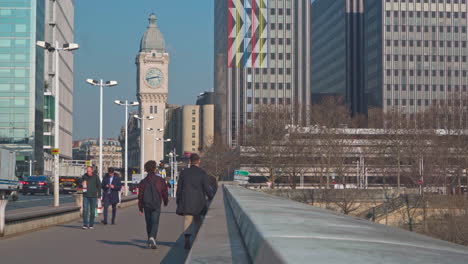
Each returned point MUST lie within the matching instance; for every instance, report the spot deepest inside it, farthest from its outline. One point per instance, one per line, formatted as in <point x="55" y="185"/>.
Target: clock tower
<point x="152" y="83"/>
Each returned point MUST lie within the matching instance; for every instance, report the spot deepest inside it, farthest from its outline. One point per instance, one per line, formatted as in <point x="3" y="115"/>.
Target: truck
<point x="9" y="184"/>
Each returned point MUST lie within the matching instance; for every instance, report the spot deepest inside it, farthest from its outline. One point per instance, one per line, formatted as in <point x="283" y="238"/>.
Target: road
<point x="121" y="243"/>
<point x="27" y="201"/>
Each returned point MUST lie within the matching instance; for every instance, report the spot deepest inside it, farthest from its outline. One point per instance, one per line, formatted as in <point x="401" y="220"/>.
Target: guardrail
<point x="29" y="221"/>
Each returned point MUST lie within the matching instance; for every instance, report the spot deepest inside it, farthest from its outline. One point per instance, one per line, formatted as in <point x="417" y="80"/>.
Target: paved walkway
<point x="121" y="243"/>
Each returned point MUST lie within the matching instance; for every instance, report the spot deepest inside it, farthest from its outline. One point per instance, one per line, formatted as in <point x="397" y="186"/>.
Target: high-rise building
<point x="59" y="27"/>
<point x="262" y="57"/>
<point x="22" y="80"/>
<point x="413" y="53"/>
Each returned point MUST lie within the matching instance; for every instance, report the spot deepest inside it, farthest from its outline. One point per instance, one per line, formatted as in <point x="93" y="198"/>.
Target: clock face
<point x="154" y="77"/>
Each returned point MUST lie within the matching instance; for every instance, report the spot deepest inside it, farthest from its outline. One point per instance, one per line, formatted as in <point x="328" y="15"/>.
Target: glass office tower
<point x="414" y="53"/>
<point x="22" y="80"/>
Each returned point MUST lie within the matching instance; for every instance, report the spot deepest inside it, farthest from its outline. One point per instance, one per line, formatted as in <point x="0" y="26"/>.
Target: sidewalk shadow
<point x="122" y="243"/>
<point x="177" y="254"/>
<point x="159" y="243"/>
<point x="71" y="226"/>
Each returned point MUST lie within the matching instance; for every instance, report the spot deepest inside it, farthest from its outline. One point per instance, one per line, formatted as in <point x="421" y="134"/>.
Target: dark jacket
<point x="158" y="183"/>
<point x="192" y="188"/>
<point x="93" y="184"/>
<point x="113" y="195"/>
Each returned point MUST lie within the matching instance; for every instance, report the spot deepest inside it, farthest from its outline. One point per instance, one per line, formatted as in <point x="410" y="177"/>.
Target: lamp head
<point x="134" y="103"/>
<point x="118" y="102"/>
<point x="92" y="82"/>
<point x="70" y="46"/>
<point x="110" y="83"/>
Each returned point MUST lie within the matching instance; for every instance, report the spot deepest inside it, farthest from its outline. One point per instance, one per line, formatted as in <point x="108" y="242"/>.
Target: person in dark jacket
<point x="111" y="186"/>
<point x="193" y="187"/>
<point x="152" y="214"/>
<point x="91" y="191"/>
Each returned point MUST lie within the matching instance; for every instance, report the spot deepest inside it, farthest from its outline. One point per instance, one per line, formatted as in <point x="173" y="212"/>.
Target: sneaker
<point x="152" y="243"/>
<point x="103" y="222"/>
<point x="91" y="227"/>
<point x="84" y="227"/>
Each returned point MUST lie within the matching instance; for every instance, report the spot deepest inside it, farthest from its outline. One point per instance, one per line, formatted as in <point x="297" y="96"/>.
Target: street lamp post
<point x="56" y="49"/>
<point x="101" y="84"/>
<point x="30" y="166"/>
<point x="126" y="104"/>
<point x="154" y="139"/>
<point x="142" y="141"/>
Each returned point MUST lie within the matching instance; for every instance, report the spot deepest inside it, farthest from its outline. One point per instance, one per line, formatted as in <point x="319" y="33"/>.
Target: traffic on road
<point x="29" y="201"/>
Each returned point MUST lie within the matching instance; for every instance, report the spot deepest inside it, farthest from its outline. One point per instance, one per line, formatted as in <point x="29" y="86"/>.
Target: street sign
<point x="88" y="163"/>
<point x="241" y="173"/>
<point x="171" y="181"/>
<point x="55" y="151"/>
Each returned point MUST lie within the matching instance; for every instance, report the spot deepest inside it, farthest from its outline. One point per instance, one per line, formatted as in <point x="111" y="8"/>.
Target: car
<point x="37" y="184"/>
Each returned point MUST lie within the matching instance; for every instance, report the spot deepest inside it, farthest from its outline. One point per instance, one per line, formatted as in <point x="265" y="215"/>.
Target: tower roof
<point x="152" y="39"/>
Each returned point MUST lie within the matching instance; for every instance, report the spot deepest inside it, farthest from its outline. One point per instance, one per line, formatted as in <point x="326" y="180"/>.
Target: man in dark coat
<point x="91" y="191"/>
<point x="148" y="185"/>
<point x="193" y="187"/>
<point x="111" y="186"/>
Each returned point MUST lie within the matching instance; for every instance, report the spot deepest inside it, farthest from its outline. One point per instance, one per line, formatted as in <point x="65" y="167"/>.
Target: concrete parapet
<point x="277" y="230"/>
<point x="219" y="240"/>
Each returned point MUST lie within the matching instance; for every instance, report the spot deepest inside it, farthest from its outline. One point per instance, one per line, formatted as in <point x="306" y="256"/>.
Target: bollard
<point x="3" y="204"/>
<point x="79" y="201"/>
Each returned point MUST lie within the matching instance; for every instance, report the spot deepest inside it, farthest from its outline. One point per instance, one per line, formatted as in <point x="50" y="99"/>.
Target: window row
<point x="433" y="29"/>
<point x="426" y="14"/>
<point x="280" y="11"/>
<point x="280" y="41"/>
<point x="426" y="58"/>
<point x="269" y="100"/>
<point x="280" y="26"/>
<point x="420" y="87"/>
<point x="426" y="73"/>
<point x="272" y="86"/>
<point x="426" y="102"/>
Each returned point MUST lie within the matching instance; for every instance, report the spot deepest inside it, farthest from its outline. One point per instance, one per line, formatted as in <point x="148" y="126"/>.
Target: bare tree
<point x="219" y="159"/>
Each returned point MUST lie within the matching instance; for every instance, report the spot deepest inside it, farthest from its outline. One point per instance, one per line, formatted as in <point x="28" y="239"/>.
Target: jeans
<point x="89" y="207"/>
<point x="152" y="222"/>
<point x="191" y="224"/>
<point x="114" y="210"/>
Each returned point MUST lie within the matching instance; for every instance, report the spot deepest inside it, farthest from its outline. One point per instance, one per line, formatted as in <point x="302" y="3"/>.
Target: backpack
<point x="151" y="197"/>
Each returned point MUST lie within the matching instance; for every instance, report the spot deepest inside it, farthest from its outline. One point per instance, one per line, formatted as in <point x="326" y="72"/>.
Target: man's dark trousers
<point x="152" y="222"/>
<point x="89" y="207"/>
<point x="107" y="203"/>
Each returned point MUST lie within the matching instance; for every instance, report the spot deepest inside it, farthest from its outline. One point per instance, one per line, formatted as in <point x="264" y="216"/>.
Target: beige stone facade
<point x="152" y="83"/>
<point x="191" y="127"/>
<point x="89" y="150"/>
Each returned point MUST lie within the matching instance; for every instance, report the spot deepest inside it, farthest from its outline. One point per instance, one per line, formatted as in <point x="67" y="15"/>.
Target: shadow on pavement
<point x="177" y="254"/>
<point x="71" y="226"/>
<point x="122" y="243"/>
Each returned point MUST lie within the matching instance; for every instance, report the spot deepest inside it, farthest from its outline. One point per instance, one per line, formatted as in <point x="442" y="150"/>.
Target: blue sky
<point x="109" y="33"/>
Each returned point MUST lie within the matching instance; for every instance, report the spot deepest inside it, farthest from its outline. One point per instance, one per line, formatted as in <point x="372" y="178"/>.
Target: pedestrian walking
<point x="91" y="191"/>
<point x="193" y="187"/>
<point x="111" y="186"/>
<point x="152" y="191"/>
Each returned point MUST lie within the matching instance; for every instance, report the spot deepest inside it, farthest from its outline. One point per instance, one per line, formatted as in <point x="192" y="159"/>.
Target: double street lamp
<point x="101" y="84"/>
<point x="142" y="141"/>
<point x="57" y="49"/>
<point x="126" y="104"/>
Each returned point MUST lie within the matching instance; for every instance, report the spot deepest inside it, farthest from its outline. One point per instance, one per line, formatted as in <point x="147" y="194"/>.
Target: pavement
<point x="37" y="200"/>
<point x="124" y="242"/>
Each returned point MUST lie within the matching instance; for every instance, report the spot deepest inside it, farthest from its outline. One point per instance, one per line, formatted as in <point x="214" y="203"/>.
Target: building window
<point x="193" y="135"/>
<point x="151" y="109"/>
<point x="194" y="111"/>
<point x="193" y="127"/>
<point x="193" y="143"/>
<point x="193" y="119"/>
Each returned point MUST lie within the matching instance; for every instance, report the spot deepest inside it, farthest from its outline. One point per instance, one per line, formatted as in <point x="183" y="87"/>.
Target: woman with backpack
<point x="152" y="190"/>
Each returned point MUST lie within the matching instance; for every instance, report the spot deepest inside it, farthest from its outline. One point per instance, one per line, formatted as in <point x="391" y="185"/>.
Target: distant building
<point x="190" y="127"/>
<point x="89" y="150"/>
